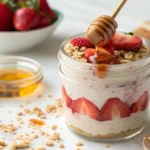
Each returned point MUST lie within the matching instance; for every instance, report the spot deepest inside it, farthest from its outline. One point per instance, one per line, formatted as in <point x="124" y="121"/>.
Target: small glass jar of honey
<point x="19" y="76"/>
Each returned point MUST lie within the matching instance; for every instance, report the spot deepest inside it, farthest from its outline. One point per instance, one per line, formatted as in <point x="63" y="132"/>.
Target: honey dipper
<point x="102" y="30"/>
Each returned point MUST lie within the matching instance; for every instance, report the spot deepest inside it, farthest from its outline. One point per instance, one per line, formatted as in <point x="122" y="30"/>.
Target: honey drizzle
<point x="37" y="122"/>
<point x="8" y="89"/>
<point x="102" y="58"/>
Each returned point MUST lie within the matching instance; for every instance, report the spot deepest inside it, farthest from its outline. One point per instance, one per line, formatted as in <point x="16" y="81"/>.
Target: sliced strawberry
<point x="66" y="98"/>
<point x="141" y="104"/>
<point x="114" y="108"/>
<point x="85" y="107"/>
<point x="109" y="48"/>
<point x="89" y="52"/>
<point x="127" y="42"/>
<point x="81" y="42"/>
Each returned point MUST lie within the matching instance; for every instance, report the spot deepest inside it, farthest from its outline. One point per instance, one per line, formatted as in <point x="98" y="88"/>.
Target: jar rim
<point x="5" y="60"/>
<point x="67" y="59"/>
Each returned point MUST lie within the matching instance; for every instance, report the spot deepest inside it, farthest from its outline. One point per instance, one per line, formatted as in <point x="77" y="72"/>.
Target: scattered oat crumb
<point x="54" y="127"/>
<point x="20" y="114"/>
<point x="107" y="146"/>
<point x="51" y="108"/>
<point x="27" y="110"/>
<point x="79" y="144"/>
<point x="47" y="134"/>
<point x="2" y="144"/>
<point x="10" y="128"/>
<point x="49" y="95"/>
<point x="9" y="111"/>
<point x="35" y="136"/>
<point x="148" y="138"/>
<point x="41" y="148"/>
<point x="38" y="112"/>
<point x="61" y="146"/>
<point x="28" y="102"/>
<point x="55" y="136"/>
<point x="31" y="149"/>
<point x="79" y="148"/>
<point x="20" y="106"/>
<point x="42" y="132"/>
<point x="49" y="143"/>
<point x="39" y="96"/>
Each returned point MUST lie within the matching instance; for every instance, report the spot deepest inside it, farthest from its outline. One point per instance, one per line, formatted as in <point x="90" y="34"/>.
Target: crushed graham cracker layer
<point x="107" y="136"/>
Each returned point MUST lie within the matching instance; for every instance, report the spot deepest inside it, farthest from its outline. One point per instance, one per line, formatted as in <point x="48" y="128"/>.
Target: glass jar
<point x="112" y="108"/>
<point x="19" y="76"/>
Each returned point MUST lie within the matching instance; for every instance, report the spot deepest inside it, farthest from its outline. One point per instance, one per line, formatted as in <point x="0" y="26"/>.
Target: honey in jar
<point x="19" y="81"/>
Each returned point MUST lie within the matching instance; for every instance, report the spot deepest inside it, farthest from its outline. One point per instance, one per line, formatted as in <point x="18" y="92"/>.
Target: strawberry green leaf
<point x="29" y="3"/>
<point x="10" y="3"/>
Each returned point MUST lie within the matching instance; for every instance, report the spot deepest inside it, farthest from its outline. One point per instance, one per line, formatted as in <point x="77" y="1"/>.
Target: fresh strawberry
<point x="5" y="18"/>
<point x="141" y="104"/>
<point x="127" y="42"/>
<point x="66" y="98"/>
<point x="85" y="107"/>
<point x="114" y="108"/>
<point x="89" y="52"/>
<point x="81" y="42"/>
<point x="45" y="8"/>
<point x="109" y="48"/>
<point x="44" y="20"/>
<point x="25" y="19"/>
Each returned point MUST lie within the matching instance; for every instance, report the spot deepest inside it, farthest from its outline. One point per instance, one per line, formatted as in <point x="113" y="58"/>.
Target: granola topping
<point x="123" y="56"/>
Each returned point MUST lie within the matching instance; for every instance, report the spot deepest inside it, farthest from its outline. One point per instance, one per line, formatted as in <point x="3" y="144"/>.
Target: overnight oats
<point x="105" y="89"/>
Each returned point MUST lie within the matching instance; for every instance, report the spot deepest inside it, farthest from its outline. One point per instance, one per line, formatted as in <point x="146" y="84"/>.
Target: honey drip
<point x="37" y="122"/>
<point x="12" y="84"/>
<point x="102" y="59"/>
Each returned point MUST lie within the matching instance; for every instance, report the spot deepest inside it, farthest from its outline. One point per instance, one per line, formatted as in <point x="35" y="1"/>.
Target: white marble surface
<point x="77" y="16"/>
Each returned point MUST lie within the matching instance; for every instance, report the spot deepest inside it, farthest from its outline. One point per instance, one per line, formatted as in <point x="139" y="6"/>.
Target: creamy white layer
<point x="93" y="127"/>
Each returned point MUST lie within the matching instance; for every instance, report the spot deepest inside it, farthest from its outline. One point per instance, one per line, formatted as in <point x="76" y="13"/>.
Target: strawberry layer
<point x="99" y="93"/>
<point x="93" y="127"/>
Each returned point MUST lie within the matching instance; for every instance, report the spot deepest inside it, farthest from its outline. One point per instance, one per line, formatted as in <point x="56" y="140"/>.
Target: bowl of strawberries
<point x="25" y="24"/>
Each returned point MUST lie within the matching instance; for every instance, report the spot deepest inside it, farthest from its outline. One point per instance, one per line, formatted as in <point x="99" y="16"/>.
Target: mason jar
<point x="111" y="108"/>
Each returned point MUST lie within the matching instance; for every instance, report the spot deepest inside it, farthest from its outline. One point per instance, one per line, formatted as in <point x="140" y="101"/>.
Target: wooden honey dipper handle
<point x="118" y="8"/>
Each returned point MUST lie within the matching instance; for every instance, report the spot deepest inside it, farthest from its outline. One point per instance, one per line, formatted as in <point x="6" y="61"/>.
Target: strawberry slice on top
<point x="127" y="42"/>
<point x="109" y="47"/>
<point x="81" y="42"/>
<point x="114" y="108"/>
<point x="141" y="104"/>
<point x="89" y="52"/>
<point x="66" y="98"/>
<point x="85" y="107"/>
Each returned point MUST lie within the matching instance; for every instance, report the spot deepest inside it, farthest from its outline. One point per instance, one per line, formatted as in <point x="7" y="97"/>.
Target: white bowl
<point x="17" y="41"/>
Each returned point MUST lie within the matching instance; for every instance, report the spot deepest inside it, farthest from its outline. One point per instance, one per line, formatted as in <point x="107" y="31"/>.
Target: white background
<point x="77" y="16"/>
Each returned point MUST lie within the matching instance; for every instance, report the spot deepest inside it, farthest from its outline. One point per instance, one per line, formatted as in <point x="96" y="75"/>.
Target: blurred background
<point x="79" y="13"/>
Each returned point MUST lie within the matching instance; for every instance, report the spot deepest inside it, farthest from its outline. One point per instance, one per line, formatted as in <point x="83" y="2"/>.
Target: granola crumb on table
<point x="61" y="146"/>
<point x="79" y="144"/>
<point x="49" y="143"/>
<point x="107" y="146"/>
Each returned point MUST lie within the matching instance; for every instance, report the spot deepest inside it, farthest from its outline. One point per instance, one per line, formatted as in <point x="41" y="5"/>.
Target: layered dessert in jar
<point x="105" y="97"/>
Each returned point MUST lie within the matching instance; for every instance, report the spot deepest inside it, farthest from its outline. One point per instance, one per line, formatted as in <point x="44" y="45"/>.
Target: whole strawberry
<point x="44" y="21"/>
<point x="25" y="19"/>
<point x="45" y="8"/>
<point x="5" y="18"/>
<point x="81" y="42"/>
